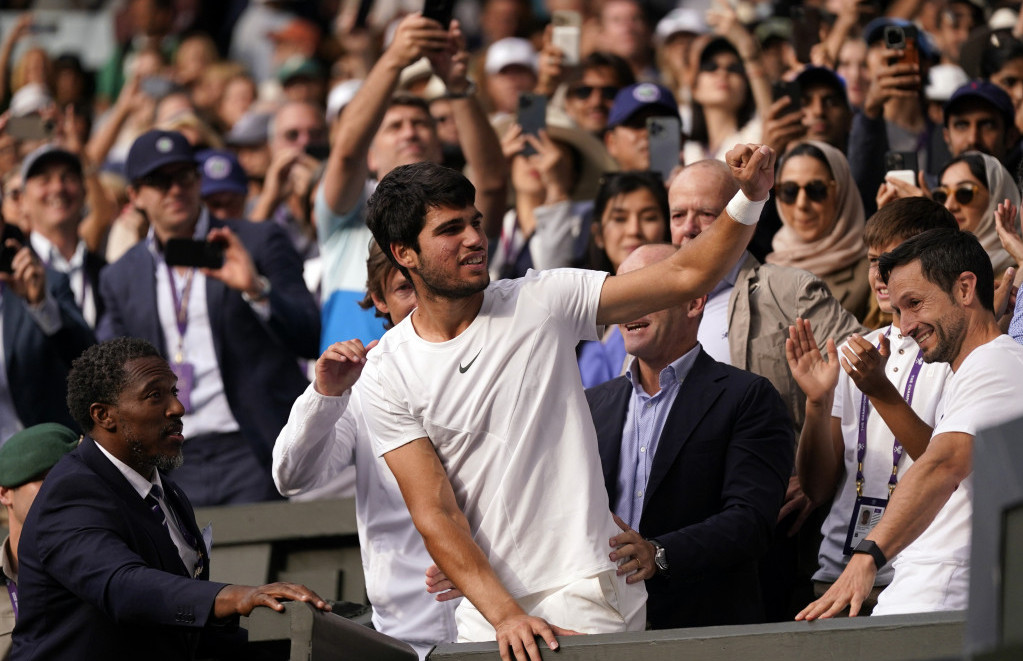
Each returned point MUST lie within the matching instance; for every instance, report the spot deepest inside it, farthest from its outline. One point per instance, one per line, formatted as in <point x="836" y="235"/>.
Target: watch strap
<point x="869" y="547"/>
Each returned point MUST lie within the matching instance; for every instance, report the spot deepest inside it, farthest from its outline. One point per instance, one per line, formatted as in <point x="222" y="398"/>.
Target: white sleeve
<point x="554" y="238"/>
<point x="570" y="296"/>
<point x="841" y="394"/>
<point x="979" y="399"/>
<point x="317" y="442"/>
<point x="391" y="425"/>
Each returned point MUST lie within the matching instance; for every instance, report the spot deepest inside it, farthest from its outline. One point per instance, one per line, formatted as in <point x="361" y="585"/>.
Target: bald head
<point x="645" y="255"/>
<point x="697" y="197"/>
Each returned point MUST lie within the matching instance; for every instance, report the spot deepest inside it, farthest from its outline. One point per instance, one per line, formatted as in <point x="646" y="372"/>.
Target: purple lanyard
<point x="12" y="592"/>
<point x="180" y="308"/>
<point x="897" y="450"/>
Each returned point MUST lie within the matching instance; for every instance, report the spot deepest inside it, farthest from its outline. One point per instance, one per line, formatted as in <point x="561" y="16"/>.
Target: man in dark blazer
<point x="112" y="563"/>
<point x="698" y="514"/>
<point x="234" y="339"/>
<point x="42" y="333"/>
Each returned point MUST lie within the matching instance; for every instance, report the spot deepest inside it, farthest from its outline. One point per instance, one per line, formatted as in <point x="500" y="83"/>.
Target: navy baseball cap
<point x="154" y="149"/>
<point x="221" y="173"/>
<point x="641" y="96"/>
<point x="985" y="91"/>
<point x="822" y="76"/>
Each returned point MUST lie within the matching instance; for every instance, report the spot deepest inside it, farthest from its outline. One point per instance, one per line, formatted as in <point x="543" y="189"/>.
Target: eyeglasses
<point x="710" y="66"/>
<point x="583" y="92"/>
<point x="963" y="193"/>
<point x="816" y="191"/>
<point x="163" y="180"/>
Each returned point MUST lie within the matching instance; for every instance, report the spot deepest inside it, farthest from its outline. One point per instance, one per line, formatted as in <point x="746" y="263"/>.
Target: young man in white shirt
<point x="941" y="283"/>
<point x="479" y="411"/>
<point x="849" y="454"/>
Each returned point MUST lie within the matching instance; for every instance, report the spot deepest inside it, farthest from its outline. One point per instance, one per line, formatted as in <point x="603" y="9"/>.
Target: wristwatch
<point x="470" y="90"/>
<point x="264" y="291"/>
<point x="868" y="547"/>
<point x="660" y="556"/>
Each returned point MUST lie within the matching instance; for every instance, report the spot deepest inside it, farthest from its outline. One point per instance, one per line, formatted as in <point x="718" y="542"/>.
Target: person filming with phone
<point x="226" y="303"/>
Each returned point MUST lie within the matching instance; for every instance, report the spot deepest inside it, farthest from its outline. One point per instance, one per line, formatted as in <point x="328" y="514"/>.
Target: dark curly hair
<point x="98" y="375"/>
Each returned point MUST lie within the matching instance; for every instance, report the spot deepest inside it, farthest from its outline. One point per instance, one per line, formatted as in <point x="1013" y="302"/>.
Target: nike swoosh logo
<point x="463" y="369"/>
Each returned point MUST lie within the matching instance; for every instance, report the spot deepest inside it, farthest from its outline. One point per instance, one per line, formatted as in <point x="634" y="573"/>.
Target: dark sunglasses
<point x="583" y="92"/>
<point x="164" y="180"/>
<point x="963" y="193"/>
<point x="710" y="66"/>
<point x="816" y="190"/>
<point x="315" y="135"/>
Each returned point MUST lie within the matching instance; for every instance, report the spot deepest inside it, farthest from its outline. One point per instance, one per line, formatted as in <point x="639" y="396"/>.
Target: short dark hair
<point x="98" y="375"/>
<point x="944" y="255"/>
<point x="410" y="100"/>
<point x="396" y="211"/>
<point x="614" y="184"/>
<point x="905" y="218"/>
<point x="603" y="59"/>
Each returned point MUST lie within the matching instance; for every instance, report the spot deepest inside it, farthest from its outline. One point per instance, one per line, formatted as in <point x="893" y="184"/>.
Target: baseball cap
<point x="508" y="51"/>
<point x="48" y="153"/>
<point x="299" y="66"/>
<point x="33" y="451"/>
<point x="221" y="173"/>
<point x="986" y="91"/>
<point x="640" y="96"/>
<point x="943" y="80"/>
<point x="678" y="21"/>
<point x="874" y="32"/>
<point x="340" y="96"/>
<point x="154" y="149"/>
<point x="814" y="76"/>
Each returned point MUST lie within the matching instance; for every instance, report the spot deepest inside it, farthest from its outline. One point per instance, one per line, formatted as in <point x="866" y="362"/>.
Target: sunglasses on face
<point x="816" y="191"/>
<point x="291" y="135"/>
<point x="710" y="66"/>
<point x="164" y="180"/>
<point x="963" y="193"/>
<point x="583" y="92"/>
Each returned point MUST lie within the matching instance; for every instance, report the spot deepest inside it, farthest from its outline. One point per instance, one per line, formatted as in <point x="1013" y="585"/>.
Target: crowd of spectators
<point x="259" y="130"/>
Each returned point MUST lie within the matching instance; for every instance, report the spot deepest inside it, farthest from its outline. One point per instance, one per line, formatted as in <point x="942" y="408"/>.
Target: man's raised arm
<point x="699" y="265"/>
<point x="346" y="171"/>
<point x="445" y="530"/>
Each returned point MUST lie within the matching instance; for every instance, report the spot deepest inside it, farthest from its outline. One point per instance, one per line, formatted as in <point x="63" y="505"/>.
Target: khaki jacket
<point x="851" y="287"/>
<point x="763" y="304"/>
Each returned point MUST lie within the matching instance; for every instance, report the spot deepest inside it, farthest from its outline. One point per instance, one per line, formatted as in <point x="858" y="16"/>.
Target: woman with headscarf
<point x="822" y="222"/>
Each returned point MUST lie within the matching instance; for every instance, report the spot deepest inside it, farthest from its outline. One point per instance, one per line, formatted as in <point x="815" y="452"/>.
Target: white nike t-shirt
<point x="504" y="406"/>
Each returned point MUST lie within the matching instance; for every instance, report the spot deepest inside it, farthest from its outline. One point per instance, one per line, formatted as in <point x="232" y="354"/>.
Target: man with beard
<point x="478" y="407"/>
<point x="112" y="563"/>
<point x="942" y="284"/>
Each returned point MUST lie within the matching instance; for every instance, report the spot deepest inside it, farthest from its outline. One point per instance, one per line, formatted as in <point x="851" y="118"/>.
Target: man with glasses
<point x="588" y="101"/>
<point x="233" y="334"/>
<point x="626" y="138"/>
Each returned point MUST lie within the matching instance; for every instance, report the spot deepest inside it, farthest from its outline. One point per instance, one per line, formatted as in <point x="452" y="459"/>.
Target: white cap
<point x="508" y="51"/>
<point x="31" y="98"/>
<point x="682" y="19"/>
<point x="943" y="80"/>
<point x="340" y="95"/>
<point x="1003" y="19"/>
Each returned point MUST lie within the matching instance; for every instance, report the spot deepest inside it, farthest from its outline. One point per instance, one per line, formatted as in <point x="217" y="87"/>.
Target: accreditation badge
<point x="186" y="379"/>
<point x="866" y="513"/>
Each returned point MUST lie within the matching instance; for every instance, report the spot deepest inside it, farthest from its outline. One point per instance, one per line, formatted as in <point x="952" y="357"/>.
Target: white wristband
<point x="744" y="210"/>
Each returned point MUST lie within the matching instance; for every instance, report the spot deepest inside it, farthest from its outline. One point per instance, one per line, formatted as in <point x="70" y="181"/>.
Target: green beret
<point x="33" y="451"/>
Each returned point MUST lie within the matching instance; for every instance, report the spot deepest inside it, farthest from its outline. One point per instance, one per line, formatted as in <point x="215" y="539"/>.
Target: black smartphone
<point x="440" y="11"/>
<point x="665" y="138"/>
<point x="318" y="150"/>
<point x="532" y="117"/>
<point x="791" y="89"/>
<point x="7" y="254"/>
<point x="189" y="252"/>
<point x="806" y="31"/>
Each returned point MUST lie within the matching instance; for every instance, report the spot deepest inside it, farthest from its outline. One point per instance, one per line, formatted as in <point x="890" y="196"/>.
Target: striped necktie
<point x="153" y="500"/>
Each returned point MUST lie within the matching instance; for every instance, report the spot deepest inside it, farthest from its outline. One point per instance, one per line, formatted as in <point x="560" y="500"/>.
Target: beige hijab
<point x="844" y="246"/>
<point x="1000" y="187"/>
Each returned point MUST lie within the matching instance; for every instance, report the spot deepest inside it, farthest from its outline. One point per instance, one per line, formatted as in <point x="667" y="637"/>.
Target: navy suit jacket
<point x="716" y="485"/>
<point x="258" y="360"/>
<point x="99" y="576"/>
<point x="38" y="364"/>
